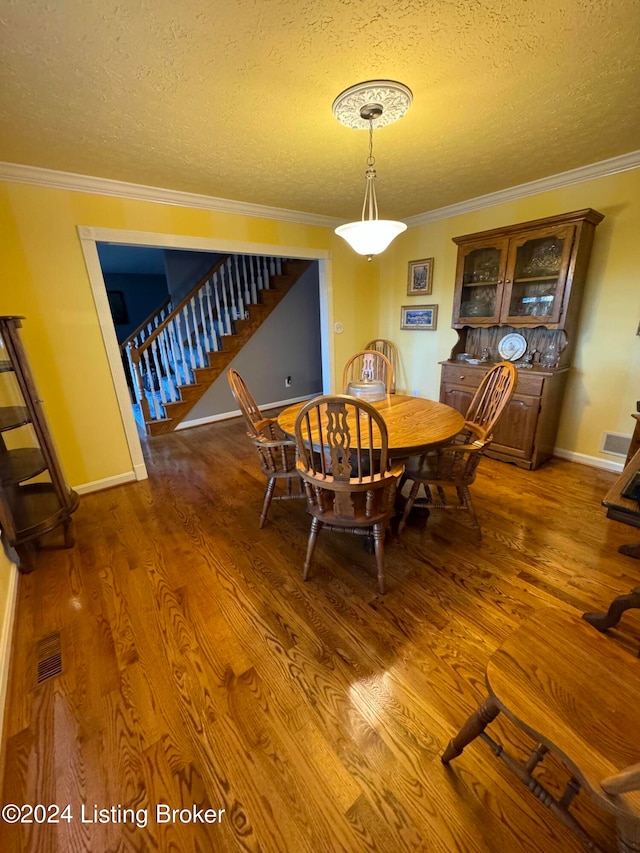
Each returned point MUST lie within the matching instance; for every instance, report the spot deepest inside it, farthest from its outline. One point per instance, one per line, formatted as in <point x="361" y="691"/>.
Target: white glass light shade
<point x="370" y="236"/>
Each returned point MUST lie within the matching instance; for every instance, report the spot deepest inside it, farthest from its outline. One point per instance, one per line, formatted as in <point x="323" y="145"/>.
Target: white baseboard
<point x="225" y="416"/>
<point x="593" y="461"/>
<point x="109" y="482"/>
<point x="6" y="634"/>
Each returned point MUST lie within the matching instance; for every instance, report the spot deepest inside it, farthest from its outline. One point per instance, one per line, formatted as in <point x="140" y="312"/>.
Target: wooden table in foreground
<point x="623" y="509"/>
<point x="414" y="425"/>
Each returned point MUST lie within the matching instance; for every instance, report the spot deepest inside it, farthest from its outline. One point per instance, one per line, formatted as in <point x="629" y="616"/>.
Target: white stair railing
<point x="170" y="346"/>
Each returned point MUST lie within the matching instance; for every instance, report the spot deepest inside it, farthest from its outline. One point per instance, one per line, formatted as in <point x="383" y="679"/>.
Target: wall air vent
<point x="49" y="657"/>
<point x="615" y="443"/>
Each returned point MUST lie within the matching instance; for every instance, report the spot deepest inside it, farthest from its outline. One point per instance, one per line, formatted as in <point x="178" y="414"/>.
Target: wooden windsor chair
<point x="454" y="465"/>
<point x="343" y="460"/>
<point x="576" y="692"/>
<point x="368" y="364"/>
<point x="390" y="351"/>
<point x="277" y="452"/>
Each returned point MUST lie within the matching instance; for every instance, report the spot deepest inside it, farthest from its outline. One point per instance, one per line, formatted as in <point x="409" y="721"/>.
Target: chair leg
<point x="267" y="500"/>
<point x="475" y="725"/>
<point x="378" y="540"/>
<point x="628" y="834"/>
<point x="465" y="499"/>
<point x="409" y="504"/>
<point x="316" y="526"/>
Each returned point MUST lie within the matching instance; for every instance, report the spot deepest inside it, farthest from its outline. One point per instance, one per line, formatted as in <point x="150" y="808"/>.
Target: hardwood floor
<point x="199" y="670"/>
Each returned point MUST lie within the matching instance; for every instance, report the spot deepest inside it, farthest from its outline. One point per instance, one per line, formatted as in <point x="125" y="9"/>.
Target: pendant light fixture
<point x="359" y="106"/>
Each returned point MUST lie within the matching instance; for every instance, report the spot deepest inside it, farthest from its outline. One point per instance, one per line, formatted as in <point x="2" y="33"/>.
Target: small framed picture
<point x="419" y="317"/>
<point x="118" y="307"/>
<point x="420" y="277"/>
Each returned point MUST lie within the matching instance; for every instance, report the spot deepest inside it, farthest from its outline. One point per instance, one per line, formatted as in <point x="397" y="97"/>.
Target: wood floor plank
<point x="200" y="671"/>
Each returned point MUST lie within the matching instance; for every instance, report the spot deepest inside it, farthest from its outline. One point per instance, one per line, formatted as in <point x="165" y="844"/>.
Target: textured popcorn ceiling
<point x="233" y="99"/>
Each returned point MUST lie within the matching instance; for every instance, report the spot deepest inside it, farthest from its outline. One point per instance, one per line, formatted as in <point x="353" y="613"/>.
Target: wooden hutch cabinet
<point x="34" y="497"/>
<point x="524" y="280"/>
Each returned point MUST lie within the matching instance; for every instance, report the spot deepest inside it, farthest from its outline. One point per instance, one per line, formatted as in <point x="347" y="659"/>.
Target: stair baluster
<point x="196" y="336"/>
<point x="227" y="318"/>
<point x="150" y="391"/>
<point x="247" y="294"/>
<point x="155" y="354"/>
<point x="138" y="382"/>
<point x="254" y="289"/>
<point x="165" y="363"/>
<point x="179" y="337"/>
<point x="216" y="293"/>
<point x="241" y="306"/>
<point x="174" y="354"/>
<point x="168" y="364"/>
<point x="184" y="318"/>
<point x="134" y="372"/>
<point x="212" y="322"/>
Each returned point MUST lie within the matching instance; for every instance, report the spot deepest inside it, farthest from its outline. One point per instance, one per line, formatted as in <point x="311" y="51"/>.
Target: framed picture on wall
<point x="118" y="307"/>
<point x="423" y="317"/>
<point x="420" y="277"/>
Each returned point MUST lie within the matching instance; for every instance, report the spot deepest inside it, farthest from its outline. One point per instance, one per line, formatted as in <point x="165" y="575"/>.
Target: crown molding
<point x="553" y="182"/>
<point x="52" y="179"/>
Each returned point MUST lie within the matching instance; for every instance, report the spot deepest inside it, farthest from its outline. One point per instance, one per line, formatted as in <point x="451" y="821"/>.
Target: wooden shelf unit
<point x="526" y="278"/>
<point x="34" y="496"/>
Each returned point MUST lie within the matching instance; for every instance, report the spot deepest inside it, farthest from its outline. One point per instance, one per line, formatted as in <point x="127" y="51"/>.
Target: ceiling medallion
<point x="392" y="98"/>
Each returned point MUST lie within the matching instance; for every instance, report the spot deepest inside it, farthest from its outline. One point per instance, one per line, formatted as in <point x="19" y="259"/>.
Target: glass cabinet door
<point x="479" y="283"/>
<point x="536" y="275"/>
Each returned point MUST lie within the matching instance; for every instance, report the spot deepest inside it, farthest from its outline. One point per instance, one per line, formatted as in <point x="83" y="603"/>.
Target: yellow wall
<point x="605" y="381"/>
<point x="44" y="278"/>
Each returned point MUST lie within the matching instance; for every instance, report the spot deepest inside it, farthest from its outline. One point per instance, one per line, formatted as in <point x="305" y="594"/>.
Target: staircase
<point x="177" y="353"/>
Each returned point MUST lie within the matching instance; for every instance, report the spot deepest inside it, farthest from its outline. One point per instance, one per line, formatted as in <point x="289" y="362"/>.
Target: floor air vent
<point x="49" y="657"/>
<point x="615" y="443"/>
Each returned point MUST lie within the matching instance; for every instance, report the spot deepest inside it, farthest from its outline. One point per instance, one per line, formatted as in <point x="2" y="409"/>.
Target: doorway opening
<point x="112" y="254"/>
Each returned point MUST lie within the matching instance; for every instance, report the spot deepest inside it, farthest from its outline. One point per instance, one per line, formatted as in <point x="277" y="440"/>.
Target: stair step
<point x="205" y="376"/>
<point x="176" y="411"/>
<point x="161" y="427"/>
<point x="231" y="344"/>
<point x="193" y="392"/>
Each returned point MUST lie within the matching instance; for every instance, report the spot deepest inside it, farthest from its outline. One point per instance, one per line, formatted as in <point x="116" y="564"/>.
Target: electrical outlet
<point x="338" y="328"/>
<point x="287" y="382"/>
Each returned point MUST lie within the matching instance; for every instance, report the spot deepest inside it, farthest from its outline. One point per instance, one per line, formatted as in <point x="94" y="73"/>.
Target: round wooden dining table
<point x="414" y="425"/>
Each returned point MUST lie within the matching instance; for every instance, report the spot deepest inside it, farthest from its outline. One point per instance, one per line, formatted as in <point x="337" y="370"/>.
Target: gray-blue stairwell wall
<point x="185" y="269"/>
<point x="286" y="345"/>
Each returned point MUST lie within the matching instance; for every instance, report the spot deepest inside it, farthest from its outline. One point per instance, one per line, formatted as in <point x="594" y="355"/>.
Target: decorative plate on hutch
<point x="512" y="346"/>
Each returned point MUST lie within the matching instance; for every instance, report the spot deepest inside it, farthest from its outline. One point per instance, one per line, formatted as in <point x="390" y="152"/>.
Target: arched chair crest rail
<point x="576" y="693"/>
<point x="368" y="364"/>
<point x="453" y="466"/>
<point x="276" y="452"/>
<point x="388" y="349"/>
<point x="343" y="460"/>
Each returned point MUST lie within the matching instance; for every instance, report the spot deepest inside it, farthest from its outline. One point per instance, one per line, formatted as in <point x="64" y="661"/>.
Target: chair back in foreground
<point x="454" y="465"/>
<point x="343" y="461"/>
<point x="368" y="365"/>
<point x="276" y="452"/>
<point x="388" y="349"/>
<point x="585" y="714"/>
